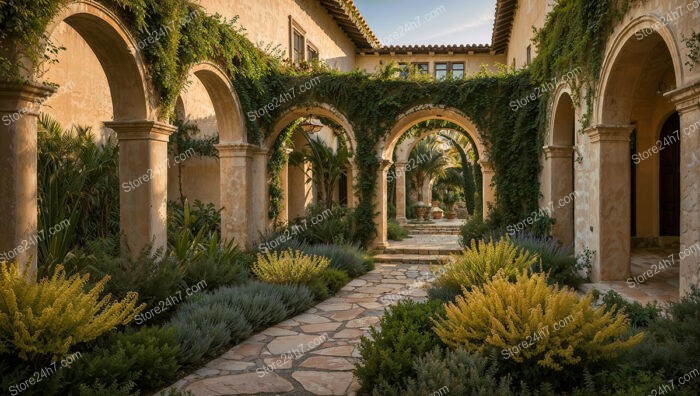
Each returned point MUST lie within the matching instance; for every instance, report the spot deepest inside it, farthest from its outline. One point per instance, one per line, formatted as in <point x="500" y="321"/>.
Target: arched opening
<point x="106" y="89"/>
<point x="670" y="178"/>
<point x="449" y="193"/>
<point x="560" y="183"/>
<point x="404" y="123"/>
<point x="318" y="167"/>
<point x="632" y="109"/>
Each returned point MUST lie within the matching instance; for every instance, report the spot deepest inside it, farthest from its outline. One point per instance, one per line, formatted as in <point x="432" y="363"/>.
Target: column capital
<point x="235" y="149"/>
<point x="17" y="98"/>
<point x="609" y="133"/>
<point x="27" y="91"/>
<point x="557" y="151"/>
<point x="141" y="130"/>
<point x="486" y="165"/>
<point x="384" y="164"/>
<point x="686" y="98"/>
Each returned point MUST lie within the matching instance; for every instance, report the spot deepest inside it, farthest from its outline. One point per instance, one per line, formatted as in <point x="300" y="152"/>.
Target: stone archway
<point x="558" y="172"/>
<point x="635" y="75"/>
<point x="142" y="138"/>
<point x="298" y="193"/>
<point x="386" y="146"/>
<point x="228" y="180"/>
<point x="402" y="152"/>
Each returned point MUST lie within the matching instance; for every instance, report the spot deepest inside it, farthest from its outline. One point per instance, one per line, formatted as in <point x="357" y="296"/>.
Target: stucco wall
<point x="267" y="21"/>
<point x="85" y="97"/>
<point x="529" y="13"/>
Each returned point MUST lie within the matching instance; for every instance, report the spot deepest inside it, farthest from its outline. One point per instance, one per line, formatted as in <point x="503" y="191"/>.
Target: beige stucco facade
<point x="528" y="15"/>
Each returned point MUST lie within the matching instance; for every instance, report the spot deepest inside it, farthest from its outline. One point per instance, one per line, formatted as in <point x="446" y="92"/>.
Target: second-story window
<point x="403" y="70"/>
<point x="422" y="68"/>
<point x="458" y="71"/>
<point x="311" y="53"/>
<point x="298" y="47"/>
<point x="441" y="71"/>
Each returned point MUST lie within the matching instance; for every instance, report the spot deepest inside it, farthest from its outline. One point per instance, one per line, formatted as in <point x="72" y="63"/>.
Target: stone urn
<point x="420" y="210"/>
<point x="437" y="213"/>
<point x="451" y="214"/>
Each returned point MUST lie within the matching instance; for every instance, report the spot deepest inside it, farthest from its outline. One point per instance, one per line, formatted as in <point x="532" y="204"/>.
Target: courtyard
<point x="349" y="197"/>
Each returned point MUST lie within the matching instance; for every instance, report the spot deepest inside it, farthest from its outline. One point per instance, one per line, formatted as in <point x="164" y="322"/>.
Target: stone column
<point x="299" y="194"/>
<point x="18" y="166"/>
<point x="380" y="201"/>
<point x="401" y="193"/>
<point x="610" y="201"/>
<point x="260" y="198"/>
<point x="686" y="100"/>
<point x="235" y="174"/>
<point x="560" y="183"/>
<point x="353" y="176"/>
<point x="284" y="181"/>
<point x="489" y="192"/>
<point x="143" y="182"/>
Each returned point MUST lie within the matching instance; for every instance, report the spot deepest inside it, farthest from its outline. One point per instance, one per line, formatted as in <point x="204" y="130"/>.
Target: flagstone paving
<point x="312" y="353"/>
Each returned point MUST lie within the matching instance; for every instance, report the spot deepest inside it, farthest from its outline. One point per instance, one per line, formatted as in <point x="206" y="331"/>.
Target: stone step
<point x="433" y="232"/>
<point x="409" y="259"/>
<point x="419" y="252"/>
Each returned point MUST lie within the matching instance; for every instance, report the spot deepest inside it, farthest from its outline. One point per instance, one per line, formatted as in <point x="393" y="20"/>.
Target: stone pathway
<point x="661" y="286"/>
<point x="312" y="353"/>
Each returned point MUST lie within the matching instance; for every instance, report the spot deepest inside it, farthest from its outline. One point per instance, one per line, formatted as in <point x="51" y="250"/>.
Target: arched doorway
<point x="670" y="178"/>
<point x="631" y="108"/>
<point x="96" y="40"/>
<point x="559" y="181"/>
<point x="385" y="149"/>
<point x="334" y="132"/>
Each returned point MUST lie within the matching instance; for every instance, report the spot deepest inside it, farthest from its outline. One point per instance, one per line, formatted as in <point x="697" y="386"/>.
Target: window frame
<point x="310" y="48"/>
<point x="295" y="29"/>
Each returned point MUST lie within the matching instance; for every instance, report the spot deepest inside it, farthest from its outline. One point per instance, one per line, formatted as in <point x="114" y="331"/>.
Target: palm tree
<point x="425" y="162"/>
<point x="327" y="165"/>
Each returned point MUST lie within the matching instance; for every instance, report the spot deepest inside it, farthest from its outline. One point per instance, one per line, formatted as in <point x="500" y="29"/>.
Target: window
<point x="458" y="71"/>
<point x="422" y="68"/>
<point x="298" y="47"/>
<point x="297" y="42"/>
<point x="529" y="54"/>
<point x="403" y="70"/>
<point x="441" y="71"/>
<point x="311" y="53"/>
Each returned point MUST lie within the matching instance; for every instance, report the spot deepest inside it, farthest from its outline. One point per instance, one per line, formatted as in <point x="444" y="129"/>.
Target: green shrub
<point x="318" y="288"/>
<point x="346" y="258"/>
<point x="638" y="314"/>
<point x="555" y="260"/>
<point x="325" y="226"/>
<point x="202" y="217"/>
<point x="203" y="328"/>
<point x="443" y="293"/>
<point x="146" y="358"/>
<point x="451" y="372"/>
<point x="394" y="231"/>
<point x="99" y="389"/>
<point x="406" y="333"/>
<point x="474" y="229"/>
<point x="259" y="309"/>
<point x="218" y="265"/>
<point x="152" y="276"/>
<point x="288" y="267"/>
<point x="672" y="342"/>
<point x="334" y="279"/>
<point x="481" y="261"/>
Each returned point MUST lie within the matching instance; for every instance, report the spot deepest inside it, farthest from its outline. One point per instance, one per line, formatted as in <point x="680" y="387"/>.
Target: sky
<point x="405" y="22"/>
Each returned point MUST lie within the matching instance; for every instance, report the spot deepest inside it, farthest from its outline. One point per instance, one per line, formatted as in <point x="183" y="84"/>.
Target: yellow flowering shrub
<point x="481" y="261"/>
<point x="530" y="321"/>
<point x="289" y="267"/>
<point x="48" y="317"/>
